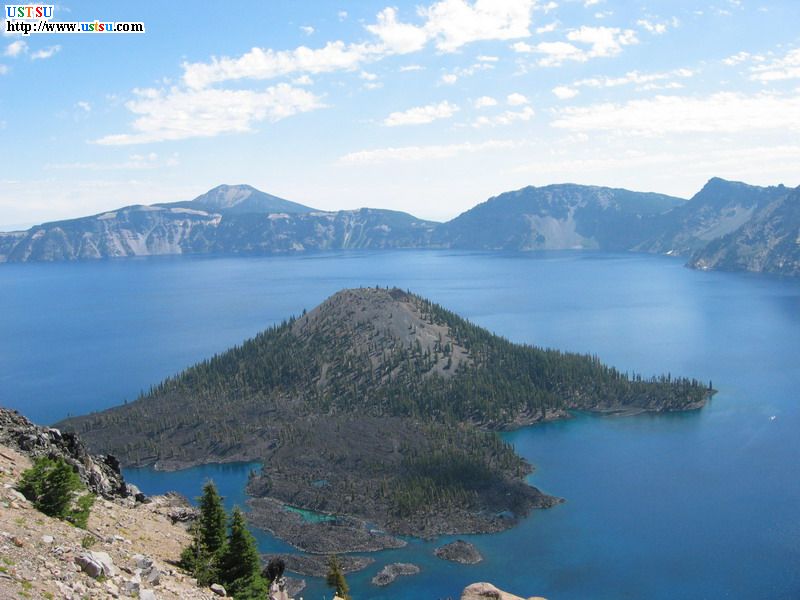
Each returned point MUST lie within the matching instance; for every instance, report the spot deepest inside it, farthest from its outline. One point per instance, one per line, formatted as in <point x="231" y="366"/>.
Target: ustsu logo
<point x="29" y="12"/>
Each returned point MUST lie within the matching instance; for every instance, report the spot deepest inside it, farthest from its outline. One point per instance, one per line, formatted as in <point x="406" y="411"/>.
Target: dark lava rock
<point x="317" y="566"/>
<point x="460" y="552"/>
<point x="391" y="572"/>
<point x="101" y="474"/>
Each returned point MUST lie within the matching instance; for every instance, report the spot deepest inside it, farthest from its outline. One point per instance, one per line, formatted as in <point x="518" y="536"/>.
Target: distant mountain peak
<point x="227" y="196"/>
<point x="243" y="198"/>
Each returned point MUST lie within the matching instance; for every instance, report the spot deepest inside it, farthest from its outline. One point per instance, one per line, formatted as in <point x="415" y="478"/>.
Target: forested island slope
<point x="377" y="404"/>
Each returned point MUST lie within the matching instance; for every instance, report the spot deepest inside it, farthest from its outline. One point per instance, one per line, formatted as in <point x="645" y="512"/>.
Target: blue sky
<point x="427" y="107"/>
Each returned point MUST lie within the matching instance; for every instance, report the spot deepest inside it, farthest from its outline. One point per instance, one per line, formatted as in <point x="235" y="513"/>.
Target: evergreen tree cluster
<point x="223" y="550"/>
<point x="463" y="462"/>
<point x="55" y="489"/>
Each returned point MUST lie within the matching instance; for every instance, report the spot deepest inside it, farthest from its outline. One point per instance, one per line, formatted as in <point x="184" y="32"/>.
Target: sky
<point x="428" y="107"/>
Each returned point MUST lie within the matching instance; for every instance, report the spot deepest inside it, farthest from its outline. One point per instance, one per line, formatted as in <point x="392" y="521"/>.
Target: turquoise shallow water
<point x="700" y="505"/>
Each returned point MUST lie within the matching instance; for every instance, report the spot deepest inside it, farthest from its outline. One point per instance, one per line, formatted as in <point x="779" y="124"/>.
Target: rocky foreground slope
<point x="128" y="550"/>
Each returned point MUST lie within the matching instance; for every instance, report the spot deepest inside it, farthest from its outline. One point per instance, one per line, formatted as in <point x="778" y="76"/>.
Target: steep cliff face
<point x="726" y="225"/>
<point x="130" y="231"/>
<point x="717" y="210"/>
<point x="768" y="242"/>
<point x="555" y="217"/>
<point x="342" y="230"/>
<point x="226" y="220"/>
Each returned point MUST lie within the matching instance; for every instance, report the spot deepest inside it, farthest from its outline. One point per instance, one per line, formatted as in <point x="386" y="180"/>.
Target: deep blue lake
<point x="690" y="506"/>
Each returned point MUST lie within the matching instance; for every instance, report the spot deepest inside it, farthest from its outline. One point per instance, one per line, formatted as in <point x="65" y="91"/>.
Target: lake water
<point x="690" y="506"/>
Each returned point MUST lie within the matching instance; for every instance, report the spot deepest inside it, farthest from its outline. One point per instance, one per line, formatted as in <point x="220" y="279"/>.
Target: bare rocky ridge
<point x="486" y="591"/>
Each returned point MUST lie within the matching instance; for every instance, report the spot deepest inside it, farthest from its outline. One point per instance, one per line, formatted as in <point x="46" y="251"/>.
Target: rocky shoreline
<point x="340" y="535"/>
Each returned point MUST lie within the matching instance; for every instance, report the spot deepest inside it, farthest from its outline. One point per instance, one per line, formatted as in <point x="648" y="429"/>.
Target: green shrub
<point x="54" y="488"/>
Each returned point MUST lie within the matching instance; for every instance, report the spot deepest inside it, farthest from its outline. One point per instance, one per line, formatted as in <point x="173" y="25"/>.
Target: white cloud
<point x="484" y="102"/>
<point x="415" y="153"/>
<point x="546" y="8"/>
<point x="604" y="41"/>
<point x="15" y="48"/>
<point x="84" y="106"/>
<point x="368" y="76"/>
<point x="588" y="3"/>
<point x="633" y="77"/>
<point x="259" y="63"/>
<point x="342" y="14"/>
<point x="550" y="27"/>
<point x="303" y="80"/>
<point x="3" y="69"/>
<point x="448" y="78"/>
<point x="307" y="29"/>
<point x="454" y="23"/>
<point x="397" y="37"/>
<point x="779" y="69"/>
<point x="420" y="115"/>
<point x="178" y="114"/>
<point x="406" y="68"/>
<point x="45" y="53"/>
<point x="737" y="58"/>
<point x="484" y="58"/>
<point x="654" y="27"/>
<point x="601" y="42"/>
<point x="516" y="99"/>
<point x="450" y="24"/>
<point x="556" y="53"/>
<point x="505" y="118"/>
<point x="723" y="112"/>
<point x="563" y="92"/>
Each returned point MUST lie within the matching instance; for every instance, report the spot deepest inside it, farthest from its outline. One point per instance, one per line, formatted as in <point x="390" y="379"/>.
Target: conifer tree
<point x="51" y="485"/>
<point x="240" y="565"/>
<point x="335" y="578"/>
<point x="202" y="557"/>
<point x="212" y="519"/>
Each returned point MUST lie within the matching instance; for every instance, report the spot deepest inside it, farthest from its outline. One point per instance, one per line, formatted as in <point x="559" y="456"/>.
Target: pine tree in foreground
<point x="212" y="519"/>
<point x="335" y="578"/>
<point x="240" y="564"/>
<point x="202" y="557"/>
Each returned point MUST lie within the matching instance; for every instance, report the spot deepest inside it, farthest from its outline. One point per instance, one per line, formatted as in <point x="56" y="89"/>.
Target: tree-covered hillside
<point x="393" y="395"/>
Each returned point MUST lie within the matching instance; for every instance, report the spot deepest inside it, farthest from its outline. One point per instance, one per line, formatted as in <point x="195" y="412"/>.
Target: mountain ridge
<point x="242" y="220"/>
